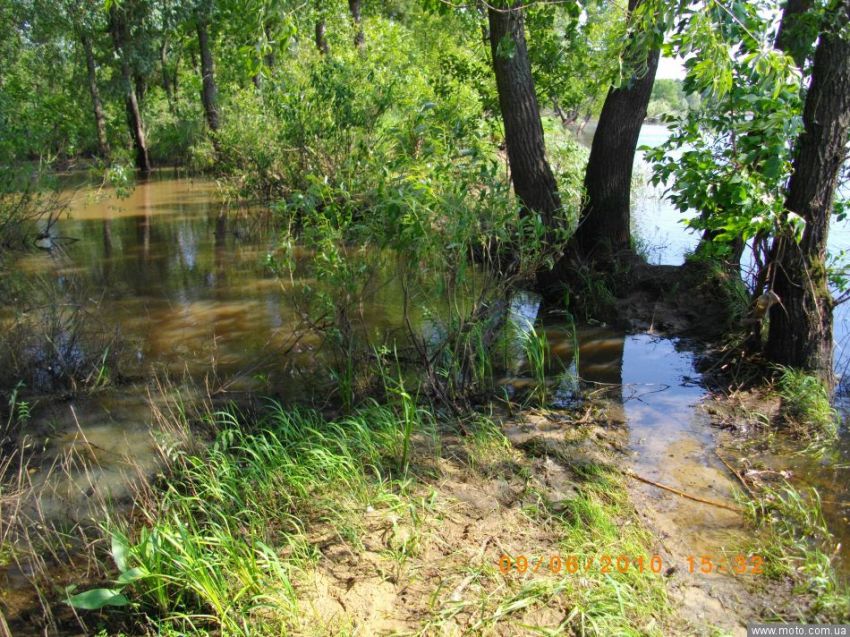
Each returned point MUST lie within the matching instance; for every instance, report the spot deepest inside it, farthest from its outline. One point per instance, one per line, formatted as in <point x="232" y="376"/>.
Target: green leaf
<point x="134" y="574"/>
<point x="98" y="598"/>
<point x="119" y="552"/>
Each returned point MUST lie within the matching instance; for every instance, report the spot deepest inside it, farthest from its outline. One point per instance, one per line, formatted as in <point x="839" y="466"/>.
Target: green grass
<point x="795" y="542"/>
<point x="602" y="521"/>
<point x="225" y="538"/>
<point x="486" y="446"/>
<point x="598" y="521"/>
<point x="6" y="554"/>
<point x="536" y="349"/>
<point x="806" y="407"/>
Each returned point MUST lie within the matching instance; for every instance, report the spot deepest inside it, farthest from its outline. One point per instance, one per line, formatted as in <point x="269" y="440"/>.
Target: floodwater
<point x="186" y="282"/>
<point x="658" y="222"/>
<point x="651" y="385"/>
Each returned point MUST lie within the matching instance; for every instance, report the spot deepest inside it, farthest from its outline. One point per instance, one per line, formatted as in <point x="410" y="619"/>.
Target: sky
<point x="670" y="69"/>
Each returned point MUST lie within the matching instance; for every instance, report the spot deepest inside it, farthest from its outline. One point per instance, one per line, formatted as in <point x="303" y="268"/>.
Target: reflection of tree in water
<point x="219" y="275"/>
<point x="597" y="367"/>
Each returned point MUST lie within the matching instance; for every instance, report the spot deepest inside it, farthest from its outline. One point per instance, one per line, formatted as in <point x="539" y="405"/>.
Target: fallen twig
<point x="721" y="505"/>
<point x="737" y="475"/>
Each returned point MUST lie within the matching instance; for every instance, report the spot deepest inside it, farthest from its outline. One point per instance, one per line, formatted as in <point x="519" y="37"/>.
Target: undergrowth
<point x="224" y="536"/>
<point x="795" y="542"/>
<point x="806" y="408"/>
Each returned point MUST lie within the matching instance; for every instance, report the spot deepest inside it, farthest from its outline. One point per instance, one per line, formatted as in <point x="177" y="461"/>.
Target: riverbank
<point x="512" y="520"/>
<point x="200" y="300"/>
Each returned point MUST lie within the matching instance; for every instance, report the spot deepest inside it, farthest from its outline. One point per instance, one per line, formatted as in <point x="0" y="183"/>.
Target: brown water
<point x="183" y="279"/>
<point x="185" y="282"/>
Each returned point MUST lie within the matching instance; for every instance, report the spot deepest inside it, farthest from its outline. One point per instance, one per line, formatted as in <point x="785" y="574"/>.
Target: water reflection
<point x="672" y="442"/>
<point x="189" y="293"/>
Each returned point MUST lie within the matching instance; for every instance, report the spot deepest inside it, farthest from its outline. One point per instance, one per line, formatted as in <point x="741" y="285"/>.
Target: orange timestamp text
<point x="575" y="564"/>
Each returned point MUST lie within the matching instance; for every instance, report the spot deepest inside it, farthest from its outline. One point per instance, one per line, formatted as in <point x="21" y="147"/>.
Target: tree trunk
<point x="800" y="331"/>
<point x="175" y="83"/>
<point x="141" y="86"/>
<point x="97" y="105"/>
<point x="270" y="58"/>
<point x="209" y="92"/>
<point x="321" y="38"/>
<point x="118" y="29"/>
<point x="532" y="177"/>
<point x="606" y="218"/>
<point x="359" y="36"/>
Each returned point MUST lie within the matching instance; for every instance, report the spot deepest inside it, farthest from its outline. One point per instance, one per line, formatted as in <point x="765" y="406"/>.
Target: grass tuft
<point x="806" y="407"/>
<point x="795" y="542"/>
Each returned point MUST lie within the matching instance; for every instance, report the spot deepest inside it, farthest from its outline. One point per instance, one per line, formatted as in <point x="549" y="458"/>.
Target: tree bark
<point x="321" y="38"/>
<point x="359" y="36"/>
<point x="209" y="91"/>
<point x="800" y="330"/>
<point x="534" y="183"/>
<point x="118" y="29"/>
<point x="97" y="105"/>
<point x="605" y="224"/>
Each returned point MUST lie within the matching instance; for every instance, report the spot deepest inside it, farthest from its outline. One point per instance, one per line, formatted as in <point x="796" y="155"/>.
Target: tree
<point x="97" y="105"/>
<point x="354" y="6"/>
<point x="800" y="329"/>
<point x="84" y="22"/>
<point x="731" y="158"/>
<point x="793" y="37"/>
<point x="604" y="226"/>
<point x="118" y="30"/>
<point x="169" y="42"/>
<point x="572" y="55"/>
<point x="209" y="90"/>
<point x="797" y="30"/>
<point x="531" y="174"/>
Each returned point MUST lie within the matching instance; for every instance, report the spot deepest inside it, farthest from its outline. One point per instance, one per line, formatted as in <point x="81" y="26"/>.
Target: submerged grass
<point x="795" y="542"/>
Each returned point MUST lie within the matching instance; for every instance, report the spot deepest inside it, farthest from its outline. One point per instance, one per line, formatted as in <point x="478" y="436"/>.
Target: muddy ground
<point x="451" y="583"/>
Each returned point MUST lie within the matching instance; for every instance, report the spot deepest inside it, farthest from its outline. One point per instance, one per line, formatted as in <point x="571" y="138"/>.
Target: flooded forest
<point x="424" y="317"/>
